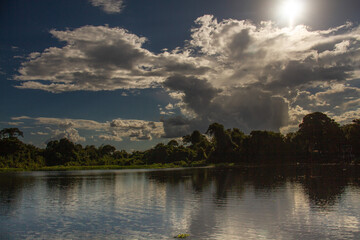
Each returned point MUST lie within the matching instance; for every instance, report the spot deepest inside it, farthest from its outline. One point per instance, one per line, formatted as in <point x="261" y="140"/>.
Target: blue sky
<point x="134" y="73"/>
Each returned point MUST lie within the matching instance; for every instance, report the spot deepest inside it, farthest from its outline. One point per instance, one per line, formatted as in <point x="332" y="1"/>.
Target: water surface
<point x="207" y="203"/>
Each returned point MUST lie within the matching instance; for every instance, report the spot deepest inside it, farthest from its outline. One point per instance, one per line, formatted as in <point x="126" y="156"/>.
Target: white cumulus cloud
<point x="232" y="71"/>
<point x="115" y="130"/>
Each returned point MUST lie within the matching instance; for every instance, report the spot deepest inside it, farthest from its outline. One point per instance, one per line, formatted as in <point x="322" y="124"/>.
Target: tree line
<point x="319" y="139"/>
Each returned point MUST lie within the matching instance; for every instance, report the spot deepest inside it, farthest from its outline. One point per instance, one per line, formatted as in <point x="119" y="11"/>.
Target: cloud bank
<point x="246" y="75"/>
<point x="115" y="130"/>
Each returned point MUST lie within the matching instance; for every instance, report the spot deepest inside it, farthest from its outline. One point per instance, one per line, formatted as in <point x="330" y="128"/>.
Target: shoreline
<point x="78" y="168"/>
<point x="164" y="166"/>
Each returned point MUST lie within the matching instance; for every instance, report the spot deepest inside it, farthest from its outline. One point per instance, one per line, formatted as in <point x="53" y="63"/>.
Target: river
<point x="207" y="203"/>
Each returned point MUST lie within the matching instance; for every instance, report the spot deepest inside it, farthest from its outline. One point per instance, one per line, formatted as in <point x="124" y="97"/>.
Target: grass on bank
<point x="104" y="167"/>
<point x="158" y="166"/>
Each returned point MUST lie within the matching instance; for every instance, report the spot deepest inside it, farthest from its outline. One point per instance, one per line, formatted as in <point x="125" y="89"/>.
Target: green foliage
<point x="221" y="138"/>
<point x="9" y="146"/>
<point x="106" y="150"/>
<point x="60" y="152"/>
<point x="201" y="163"/>
<point x="264" y="146"/>
<point x="173" y="143"/>
<point x="182" y="235"/>
<point x="16" y="154"/>
<point x="351" y="134"/>
<point x="318" y="134"/>
<point x="237" y="137"/>
<point x="224" y="146"/>
<point x="10" y="133"/>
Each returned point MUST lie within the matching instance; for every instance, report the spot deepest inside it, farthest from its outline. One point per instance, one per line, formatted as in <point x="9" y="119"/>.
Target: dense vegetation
<point x="318" y="139"/>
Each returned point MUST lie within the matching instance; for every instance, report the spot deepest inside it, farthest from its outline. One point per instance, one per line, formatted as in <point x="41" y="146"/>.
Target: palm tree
<point x="11" y="133"/>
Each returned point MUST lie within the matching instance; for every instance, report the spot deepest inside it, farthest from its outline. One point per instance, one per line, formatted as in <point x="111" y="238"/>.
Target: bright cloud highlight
<point x="247" y="75"/>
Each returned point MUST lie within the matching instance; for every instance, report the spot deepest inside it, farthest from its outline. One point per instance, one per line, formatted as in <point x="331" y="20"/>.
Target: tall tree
<point x="320" y="133"/>
<point x="237" y="137"/>
<point x="352" y="135"/>
<point x="107" y="150"/>
<point x="11" y="133"/>
<point x="224" y="147"/>
<point x="60" y="152"/>
<point x="9" y="142"/>
<point x="265" y="145"/>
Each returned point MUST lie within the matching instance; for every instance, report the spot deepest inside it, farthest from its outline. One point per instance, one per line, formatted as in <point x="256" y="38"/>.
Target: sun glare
<point x="291" y="10"/>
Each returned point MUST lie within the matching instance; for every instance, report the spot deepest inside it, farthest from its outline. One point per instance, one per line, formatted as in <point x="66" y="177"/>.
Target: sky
<point x="134" y="73"/>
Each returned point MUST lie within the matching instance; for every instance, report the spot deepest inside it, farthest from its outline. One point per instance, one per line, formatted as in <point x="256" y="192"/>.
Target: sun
<point x="291" y="10"/>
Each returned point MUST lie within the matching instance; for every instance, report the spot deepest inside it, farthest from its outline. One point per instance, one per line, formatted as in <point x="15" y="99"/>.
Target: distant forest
<point x="319" y="139"/>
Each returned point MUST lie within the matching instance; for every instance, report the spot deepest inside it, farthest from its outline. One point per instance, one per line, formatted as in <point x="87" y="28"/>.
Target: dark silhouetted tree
<point x="237" y="137"/>
<point x="11" y="133"/>
<point x="173" y="143"/>
<point x="352" y="136"/>
<point x="263" y="146"/>
<point x="106" y="150"/>
<point x="224" y="147"/>
<point x="60" y="152"/>
<point x="9" y="142"/>
<point x="319" y="133"/>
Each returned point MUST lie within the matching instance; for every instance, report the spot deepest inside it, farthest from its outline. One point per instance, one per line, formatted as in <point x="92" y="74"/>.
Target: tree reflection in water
<point x="212" y="203"/>
<point x="323" y="185"/>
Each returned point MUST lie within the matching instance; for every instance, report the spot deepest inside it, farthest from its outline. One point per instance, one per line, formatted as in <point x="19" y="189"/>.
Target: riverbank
<point x="166" y="165"/>
<point x="99" y="167"/>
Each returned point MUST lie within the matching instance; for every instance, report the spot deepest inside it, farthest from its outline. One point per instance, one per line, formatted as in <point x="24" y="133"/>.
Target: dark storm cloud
<point x="198" y="92"/>
<point x="298" y="73"/>
<point x="247" y="108"/>
<point x="121" y="54"/>
<point x="177" y="126"/>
